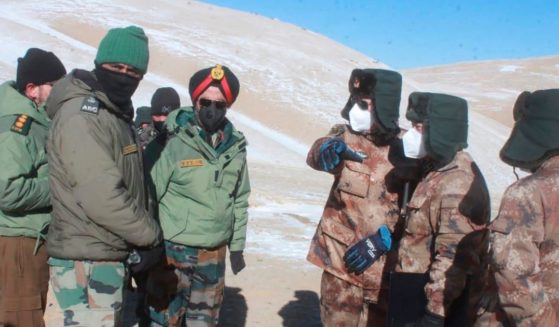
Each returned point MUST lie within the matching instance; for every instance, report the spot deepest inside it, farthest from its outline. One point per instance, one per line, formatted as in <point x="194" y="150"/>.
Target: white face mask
<point x="414" y="144"/>
<point x="359" y="119"/>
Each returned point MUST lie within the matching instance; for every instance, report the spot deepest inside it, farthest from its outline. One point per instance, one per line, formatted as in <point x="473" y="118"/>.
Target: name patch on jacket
<point x="90" y="105"/>
<point x="22" y="124"/>
<point x="192" y="163"/>
<point x="129" y="149"/>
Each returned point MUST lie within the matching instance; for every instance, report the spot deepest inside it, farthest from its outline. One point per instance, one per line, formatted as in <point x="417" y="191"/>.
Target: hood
<point x="535" y="135"/>
<point x="81" y="83"/>
<point x="445" y="119"/>
<point x="14" y="103"/>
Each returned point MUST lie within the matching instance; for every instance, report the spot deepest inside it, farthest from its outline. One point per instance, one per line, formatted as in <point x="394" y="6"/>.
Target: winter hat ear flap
<point x="347" y="108"/>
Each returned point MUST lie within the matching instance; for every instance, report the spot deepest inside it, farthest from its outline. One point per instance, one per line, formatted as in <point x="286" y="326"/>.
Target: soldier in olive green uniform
<point x="99" y="196"/>
<point x="24" y="191"/>
<point x="201" y="185"/>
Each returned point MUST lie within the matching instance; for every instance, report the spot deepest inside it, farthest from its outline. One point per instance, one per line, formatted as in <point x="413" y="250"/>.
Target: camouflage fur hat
<point x="445" y="120"/>
<point x="535" y="135"/>
<point x="384" y="87"/>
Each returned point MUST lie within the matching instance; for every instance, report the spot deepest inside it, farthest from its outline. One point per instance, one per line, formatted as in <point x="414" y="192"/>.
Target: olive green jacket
<point x="96" y="176"/>
<point x="202" y="193"/>
<point x="24" y="190"/>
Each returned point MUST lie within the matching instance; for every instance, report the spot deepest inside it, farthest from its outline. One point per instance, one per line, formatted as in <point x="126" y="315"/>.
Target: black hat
<point x="38" y="67"/>
<point x="164" y="100"/>
<point x="219" y="76"/>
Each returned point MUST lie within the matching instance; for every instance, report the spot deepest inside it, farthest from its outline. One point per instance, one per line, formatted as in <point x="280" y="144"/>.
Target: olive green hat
<point x="445" y="120"/>
<point x="535" y="135"/>
<point x="384" y="87"/>
<point x="128" y="45"/>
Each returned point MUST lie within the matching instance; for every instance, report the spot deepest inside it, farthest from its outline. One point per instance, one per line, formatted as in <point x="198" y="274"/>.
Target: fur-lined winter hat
<point x="384" y="87"/>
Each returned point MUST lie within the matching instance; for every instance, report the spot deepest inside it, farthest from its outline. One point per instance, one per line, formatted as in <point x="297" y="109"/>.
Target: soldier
<point x="362" y="201"/>
<point x="163" y="102"/>
<point x="201" y="184"/>
<point x="98" y="191"/>
<point x="24" y="191"/>
<point x="448" y="210"/>
<point x="144" y="126"/>
<point x="525" y="242"/>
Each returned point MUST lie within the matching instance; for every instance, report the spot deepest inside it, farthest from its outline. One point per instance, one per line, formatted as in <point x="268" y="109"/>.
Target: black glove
<point x="362" y="254"/>
<point x="237" y="261"/>
<point x="333" y="151"/>
<point x="142" y="259"/>
<point x="428" y="320"/>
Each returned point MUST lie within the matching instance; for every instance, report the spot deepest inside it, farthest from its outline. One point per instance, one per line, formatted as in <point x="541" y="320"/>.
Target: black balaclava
<point x="118" y="87"/>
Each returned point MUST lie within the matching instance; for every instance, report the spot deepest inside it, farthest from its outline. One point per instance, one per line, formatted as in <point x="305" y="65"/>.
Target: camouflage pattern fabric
<point x="188" y="287"/>
<point x="145" y="135"/>
<point x="525" y="248"/>
<point x="444" y="234"/>
<point x="84" y="293"/>
<point x="362" y="198"/>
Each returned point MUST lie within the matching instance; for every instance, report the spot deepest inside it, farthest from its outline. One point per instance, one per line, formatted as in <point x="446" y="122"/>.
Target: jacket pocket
<point x="338" y="232"/>
<point x="354" y="181"/>
<point x="174" y="227"/>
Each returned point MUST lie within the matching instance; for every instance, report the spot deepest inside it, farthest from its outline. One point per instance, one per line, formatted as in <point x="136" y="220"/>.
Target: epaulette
<point x="337" y="130"/>
<point x="90" y="105"/>
<point x="22" y="124"/>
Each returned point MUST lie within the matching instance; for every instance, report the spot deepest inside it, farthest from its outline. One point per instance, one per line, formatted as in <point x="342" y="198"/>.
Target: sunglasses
<point x="205" y="103"/>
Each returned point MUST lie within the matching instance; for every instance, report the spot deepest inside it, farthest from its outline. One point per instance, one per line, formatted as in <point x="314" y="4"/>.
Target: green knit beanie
<point x="127" y="45"/>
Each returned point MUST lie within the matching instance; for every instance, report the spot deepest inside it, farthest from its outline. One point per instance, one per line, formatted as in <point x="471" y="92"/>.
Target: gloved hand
<point x="362" y="254"/>
<point x="428" y="320"/>
<point x="142" y="259"/>
<point x="333" y="151"/>
<point x="237" y="261"/>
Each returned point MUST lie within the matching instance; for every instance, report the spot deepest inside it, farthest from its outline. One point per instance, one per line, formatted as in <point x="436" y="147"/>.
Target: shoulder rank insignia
<point x="132" y="148"/>
<point x="192" y="163"/>
<point x="22" y="124"/>
<point x="90" y="105"/>
<point x="337" y="130"/>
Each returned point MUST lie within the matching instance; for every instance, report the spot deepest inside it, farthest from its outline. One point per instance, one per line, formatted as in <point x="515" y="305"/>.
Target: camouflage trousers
<point x="85" y="293"/>
<point x="188" y="286"/>
<point x="343" y="304"/>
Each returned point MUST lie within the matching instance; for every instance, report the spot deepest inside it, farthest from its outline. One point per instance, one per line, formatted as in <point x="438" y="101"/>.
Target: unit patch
<point x="129" y="149"/>
<point x="22" y="124"/>
<point x="90" y="105"/>
<point x="192" y="163"/>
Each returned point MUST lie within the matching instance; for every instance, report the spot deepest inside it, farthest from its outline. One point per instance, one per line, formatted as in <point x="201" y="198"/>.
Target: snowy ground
<point x="293" y="86"/>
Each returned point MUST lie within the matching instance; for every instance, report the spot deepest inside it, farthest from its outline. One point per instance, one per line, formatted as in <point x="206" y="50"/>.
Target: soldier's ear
<point x="31" y="91"/>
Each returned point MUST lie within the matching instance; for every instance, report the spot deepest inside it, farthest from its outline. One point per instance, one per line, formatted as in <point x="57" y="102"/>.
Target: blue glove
<point x="333" y="151"/>
<point x="364" y="253"/>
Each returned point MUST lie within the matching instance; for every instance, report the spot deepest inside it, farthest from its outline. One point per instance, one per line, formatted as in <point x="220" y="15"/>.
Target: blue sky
<point x="407" y="33"/>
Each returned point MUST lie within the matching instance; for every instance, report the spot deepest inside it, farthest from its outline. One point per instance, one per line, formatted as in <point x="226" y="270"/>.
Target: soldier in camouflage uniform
<point x="98" y="191"/>
<point x="144" y="126"/>
<point x="200" y="181"/>
<point x="525" y="239"/>
<point x="24" y="190"/>
<point x="448" y="211"/>
<point x="362" y="199"/>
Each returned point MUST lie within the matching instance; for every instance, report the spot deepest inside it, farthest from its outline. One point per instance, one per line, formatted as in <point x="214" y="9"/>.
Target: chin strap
<point x="515" y="173"/>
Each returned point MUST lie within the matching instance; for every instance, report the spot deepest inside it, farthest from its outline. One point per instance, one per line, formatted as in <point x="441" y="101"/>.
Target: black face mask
<point x="119" y="87"/>
<point x="158" y="125"/>
<point x="211" y="118"/>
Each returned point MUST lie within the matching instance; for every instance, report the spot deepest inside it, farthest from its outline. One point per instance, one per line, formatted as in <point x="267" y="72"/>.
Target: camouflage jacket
<point x="525" y="248"/>
<point x="146" y="135"/>
<point x="361" y="199"/>
<point x="447" y="215"/>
